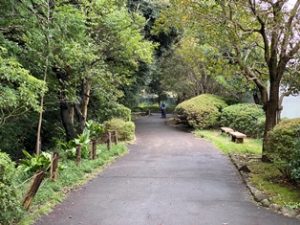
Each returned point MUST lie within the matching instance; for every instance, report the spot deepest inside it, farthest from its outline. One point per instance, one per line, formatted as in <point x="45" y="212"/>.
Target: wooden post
<point x="108" y="140"/>
<point x="115" y="135"/>
<point x="54" y="166"/>
<point x="93" y="149"/>
<point x="34" y="187"/>
<point x="78" y="154"/>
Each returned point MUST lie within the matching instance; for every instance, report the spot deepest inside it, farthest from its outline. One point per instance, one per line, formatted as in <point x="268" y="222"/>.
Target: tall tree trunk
<point x="86" y="90"/>
<point x="256" y="98"/>
<point x="67" y="118"/>
<point x="38" y="143"/>
<point x="271" y="111"/>
<point x="66" y="108"/>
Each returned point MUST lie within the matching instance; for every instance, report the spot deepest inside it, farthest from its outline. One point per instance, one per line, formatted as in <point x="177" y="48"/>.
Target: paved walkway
<point x="168" y="178"/>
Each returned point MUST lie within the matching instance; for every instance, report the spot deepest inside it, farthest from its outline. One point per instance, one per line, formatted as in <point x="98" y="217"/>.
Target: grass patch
<point x="224" y="143"/>
<point x="267" y="178"/>
<point x="70" y="177"/>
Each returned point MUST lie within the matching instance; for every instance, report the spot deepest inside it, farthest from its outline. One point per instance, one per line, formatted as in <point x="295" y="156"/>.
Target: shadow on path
<point x="168" y="178"/>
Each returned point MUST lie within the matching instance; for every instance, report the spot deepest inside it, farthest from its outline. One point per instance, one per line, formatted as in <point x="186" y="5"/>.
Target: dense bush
<point x="125" y="129"/>
<point x="246" y="118"/>
<point x="34" y="163"/>
<point x="68" y="149"/>
<point x="202" y="111"/>
<point x="10" y="207"/>
<point x="295" y="163"/>
<point x="283" y="147"/>
<point x="154" y="108"/>
<point x="121" y="111"/>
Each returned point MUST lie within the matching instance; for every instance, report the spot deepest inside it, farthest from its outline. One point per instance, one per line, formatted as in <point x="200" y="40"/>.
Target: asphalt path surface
<point x="168" y="178"/>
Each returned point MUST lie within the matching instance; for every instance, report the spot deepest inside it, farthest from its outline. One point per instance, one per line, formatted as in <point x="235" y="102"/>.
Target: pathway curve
<point x="168" y="178"/>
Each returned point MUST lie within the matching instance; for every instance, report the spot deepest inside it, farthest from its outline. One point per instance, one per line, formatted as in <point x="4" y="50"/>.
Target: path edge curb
<point x="262" y="198"/>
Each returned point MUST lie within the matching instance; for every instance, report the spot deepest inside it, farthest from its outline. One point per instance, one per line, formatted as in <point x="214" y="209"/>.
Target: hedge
<point x="283" y="147"/>
<point x="121" y="111"/>
<point x="246" y="118"/>
<point x="201" y="112"/>
<point x="125" y="129"/>
<point x="10" y="206"/>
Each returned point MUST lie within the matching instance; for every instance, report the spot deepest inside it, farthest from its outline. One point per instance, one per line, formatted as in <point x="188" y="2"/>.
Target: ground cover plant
<point x="50" y="193"/>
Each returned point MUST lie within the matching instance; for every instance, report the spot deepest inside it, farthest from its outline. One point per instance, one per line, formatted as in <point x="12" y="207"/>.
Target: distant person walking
<point x="163" y="108"/>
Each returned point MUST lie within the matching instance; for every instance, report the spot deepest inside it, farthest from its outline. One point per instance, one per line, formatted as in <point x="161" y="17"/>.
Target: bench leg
<point x="233" y="138"/>
<point x="240" y="140"/>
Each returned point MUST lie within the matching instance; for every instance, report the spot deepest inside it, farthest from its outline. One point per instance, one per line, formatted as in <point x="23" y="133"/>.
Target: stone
<point x="287" y="211"/>
<point x="298" y="217"/>
<point x="274" y="207"/>
<point x="265" y="202"/>
<point x="244" y="169"/>
<point x="259" y="196"/>
<point x="252" y="189"/>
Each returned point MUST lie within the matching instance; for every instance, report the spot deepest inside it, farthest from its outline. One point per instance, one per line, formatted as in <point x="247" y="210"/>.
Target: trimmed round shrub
<point x="154" y="108"/>
<point x="121" y="111"/>
<point x="10" y="206"/>
<point x="246" y="118"/>
<point x="125" y="129"/>
<point x="201" y="112"/>
<point x="283" y="147"/>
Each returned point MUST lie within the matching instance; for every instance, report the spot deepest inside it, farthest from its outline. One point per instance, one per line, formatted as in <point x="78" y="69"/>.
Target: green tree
<point x="19" y="90"/>
<point x="261" y="38"/>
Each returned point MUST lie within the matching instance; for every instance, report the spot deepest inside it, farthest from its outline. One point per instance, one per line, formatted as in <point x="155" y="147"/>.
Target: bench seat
<point x="237" y="137"/>
<point x="226" y="130"/>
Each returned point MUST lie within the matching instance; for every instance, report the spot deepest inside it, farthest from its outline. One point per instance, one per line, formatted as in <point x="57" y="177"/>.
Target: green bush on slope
<point x="201" y="112"/>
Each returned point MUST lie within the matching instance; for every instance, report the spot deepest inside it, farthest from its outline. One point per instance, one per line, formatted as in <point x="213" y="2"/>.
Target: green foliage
<point x="96" y="129"/>
<point x="154" y="107"/>
<point x="10" y="206"/>
<point x="87" y="53"/>
<point x="14" y="139"/>
<point x="120" y="111"/>
<point x="93" y="130"/>
<point x="283" y="147"/>
<point x="246" y="118"/>
<point x="202" y="111"/>
<point x="69" y="148"/>
<point x="295" y="163"/>
<point x="105" y="110"/>
<point x="267" y="178"/>
<point x="125" y="129"/>
<point x="19" y="90"/>
<point x="33" y="163"/>
<point x="52" y="193"/>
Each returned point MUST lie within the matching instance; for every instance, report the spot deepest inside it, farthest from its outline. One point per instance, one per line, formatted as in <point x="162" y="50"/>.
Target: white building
<point x="291" y="107"/>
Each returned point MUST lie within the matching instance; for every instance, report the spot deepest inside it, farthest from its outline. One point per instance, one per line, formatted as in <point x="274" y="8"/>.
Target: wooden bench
<point x="237" y="137"/>
<point x="226" y="130"/>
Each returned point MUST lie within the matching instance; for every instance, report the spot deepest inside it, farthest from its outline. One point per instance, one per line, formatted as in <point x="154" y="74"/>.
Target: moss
<point x="202" y="111"/>
<point x="268" y="178"/>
